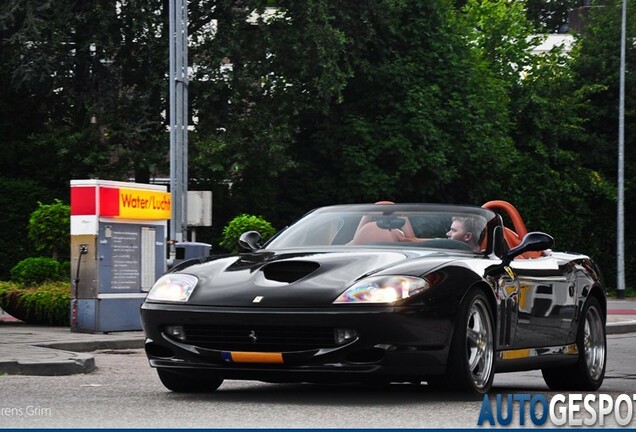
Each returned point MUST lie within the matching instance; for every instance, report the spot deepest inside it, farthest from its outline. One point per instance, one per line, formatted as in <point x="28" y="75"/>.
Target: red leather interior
<point x="512" y="237"/>
<point x="371" y="233"/>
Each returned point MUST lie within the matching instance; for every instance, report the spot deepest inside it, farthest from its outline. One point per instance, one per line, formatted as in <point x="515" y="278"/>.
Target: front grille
<point x="259" y="338"/>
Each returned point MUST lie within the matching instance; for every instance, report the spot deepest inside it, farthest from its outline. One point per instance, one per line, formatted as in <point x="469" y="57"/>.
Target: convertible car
<point x="443" y="294"/>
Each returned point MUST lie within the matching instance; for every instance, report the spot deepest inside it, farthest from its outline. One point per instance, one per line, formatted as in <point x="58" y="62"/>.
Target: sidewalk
<point x="40" y="350"/>
<point x="621" y="316"/>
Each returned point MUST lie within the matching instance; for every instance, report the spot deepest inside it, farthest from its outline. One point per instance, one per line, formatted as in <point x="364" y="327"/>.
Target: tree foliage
<point x="595" y="71"/>
<point x="350" y="102"/>
<point x="323" y="101"/>
<point x="550" y="183"/>
<point x="49" y="228"/>
<point x="88" y="83"/>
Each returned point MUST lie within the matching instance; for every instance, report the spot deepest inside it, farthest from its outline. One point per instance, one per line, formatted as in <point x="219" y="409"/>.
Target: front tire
<point x="184" y="382"/>
<point x="588" y="372"/>
<point x="472" y="354"/>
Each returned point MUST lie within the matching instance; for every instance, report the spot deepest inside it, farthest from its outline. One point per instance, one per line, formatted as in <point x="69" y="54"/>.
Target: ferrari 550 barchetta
<point x="442" y="294"/>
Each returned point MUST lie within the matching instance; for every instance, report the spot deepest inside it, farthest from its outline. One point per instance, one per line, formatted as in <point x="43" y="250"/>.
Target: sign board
<point x="109" y="199"/>
<point x="199" y="208"/>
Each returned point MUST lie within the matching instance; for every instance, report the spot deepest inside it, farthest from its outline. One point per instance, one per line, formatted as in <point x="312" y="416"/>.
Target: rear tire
<point x="471" y="359"/>
<point x="188" y="382"/>
<point x="588" y="372"/>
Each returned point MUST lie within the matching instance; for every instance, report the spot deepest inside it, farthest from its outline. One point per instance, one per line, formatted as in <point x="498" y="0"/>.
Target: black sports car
<point x="383" y="292"/>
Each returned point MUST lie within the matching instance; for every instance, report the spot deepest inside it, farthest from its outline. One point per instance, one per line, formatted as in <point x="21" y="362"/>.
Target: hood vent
<point x="289" y="271"/>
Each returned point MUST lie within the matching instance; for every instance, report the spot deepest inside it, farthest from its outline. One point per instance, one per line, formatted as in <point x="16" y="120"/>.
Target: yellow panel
<point x="144" y="204"/>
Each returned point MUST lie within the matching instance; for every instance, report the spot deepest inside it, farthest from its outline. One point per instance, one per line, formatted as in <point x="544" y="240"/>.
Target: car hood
<point x="296" y="279"/>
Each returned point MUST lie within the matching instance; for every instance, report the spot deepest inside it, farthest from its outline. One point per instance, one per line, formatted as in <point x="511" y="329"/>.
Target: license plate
<point x="252" y="357"/>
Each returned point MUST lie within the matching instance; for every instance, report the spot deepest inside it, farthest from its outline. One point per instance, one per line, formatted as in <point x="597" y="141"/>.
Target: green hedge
<point x="37" y="270"/>
<point x="48" y="303"/>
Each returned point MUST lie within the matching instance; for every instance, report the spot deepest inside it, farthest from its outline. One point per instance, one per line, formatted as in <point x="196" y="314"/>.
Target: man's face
<point x="456" y="232"/>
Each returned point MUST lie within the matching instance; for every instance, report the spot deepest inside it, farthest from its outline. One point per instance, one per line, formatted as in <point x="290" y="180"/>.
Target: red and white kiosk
<point x="118" y="250"/>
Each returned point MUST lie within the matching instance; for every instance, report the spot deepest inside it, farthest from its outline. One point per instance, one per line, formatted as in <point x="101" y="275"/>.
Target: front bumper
<point x="391" y="343"/>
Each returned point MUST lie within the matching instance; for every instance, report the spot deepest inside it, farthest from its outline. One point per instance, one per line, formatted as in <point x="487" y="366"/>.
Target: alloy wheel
<point x="479" y="344"/>
<point x="594" y="343"/>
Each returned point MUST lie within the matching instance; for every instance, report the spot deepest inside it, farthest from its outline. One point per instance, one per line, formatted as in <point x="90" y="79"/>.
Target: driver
<point x="466" y="229"/>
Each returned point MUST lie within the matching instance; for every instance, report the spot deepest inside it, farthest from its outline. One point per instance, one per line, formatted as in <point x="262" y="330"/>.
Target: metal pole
<point x="184" y="118"/>
<point x="620" y="223"/>
<point x="179" y="117"/>
<point x="178" y="22"/>
<point x="175" y="216"/>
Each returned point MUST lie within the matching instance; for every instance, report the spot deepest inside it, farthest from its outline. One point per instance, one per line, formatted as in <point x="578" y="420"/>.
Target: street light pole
<point x="620" y="223"/>
<point x="178" y="64"/>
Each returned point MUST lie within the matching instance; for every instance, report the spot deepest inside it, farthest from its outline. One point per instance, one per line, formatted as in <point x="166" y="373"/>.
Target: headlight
<point x="383" y="289"/>
<point x="173" y="288"/>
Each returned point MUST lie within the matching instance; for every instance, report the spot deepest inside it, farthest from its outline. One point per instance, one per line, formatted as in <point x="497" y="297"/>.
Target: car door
<point x="545" y="302"/>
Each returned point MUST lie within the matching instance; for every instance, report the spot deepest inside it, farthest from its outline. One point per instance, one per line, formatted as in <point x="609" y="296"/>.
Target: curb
<point x="88" y="346"/>
<point x="75" y="364"/>
<point x="620" y="327"/>
<point x="60" y="357"/>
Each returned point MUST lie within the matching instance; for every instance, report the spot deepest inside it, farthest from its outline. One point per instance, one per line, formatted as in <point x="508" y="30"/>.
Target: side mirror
<point x="532" y="242"/>
<point x="250" y="240"/>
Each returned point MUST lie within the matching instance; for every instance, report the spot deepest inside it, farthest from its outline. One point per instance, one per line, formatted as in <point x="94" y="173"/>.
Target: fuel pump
<point x="118" y="250"/>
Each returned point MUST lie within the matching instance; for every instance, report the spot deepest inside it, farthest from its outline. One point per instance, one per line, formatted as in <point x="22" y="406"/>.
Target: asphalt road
<point x="125" y="392"/>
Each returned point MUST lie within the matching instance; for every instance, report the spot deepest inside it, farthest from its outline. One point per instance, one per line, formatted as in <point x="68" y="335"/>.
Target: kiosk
<point x="118" y="250"/>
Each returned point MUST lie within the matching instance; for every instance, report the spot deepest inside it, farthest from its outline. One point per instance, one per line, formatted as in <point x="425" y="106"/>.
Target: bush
<point x="48" y="303"/>
<point x="65" y="271"/>
<point x="241" y="224"/>
<point x="33" y="271"/>
<point x="49" y="228"/>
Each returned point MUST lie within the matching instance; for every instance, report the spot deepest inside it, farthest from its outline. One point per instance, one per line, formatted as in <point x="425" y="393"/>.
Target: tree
<point x="596" y="71"/>
<point x="325" y="101"/>
<point x="422" y="116"/>
<point x="502" y="35"/>
<point x="258" y="77"/>
<point x="89" y="78"/>
<point x="550" y="182"/>
<point x="341" y="101"/>
<point x="133" y="96"/>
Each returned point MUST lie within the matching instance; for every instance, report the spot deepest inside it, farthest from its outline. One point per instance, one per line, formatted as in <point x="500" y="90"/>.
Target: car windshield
<point x="423" y="226"/>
